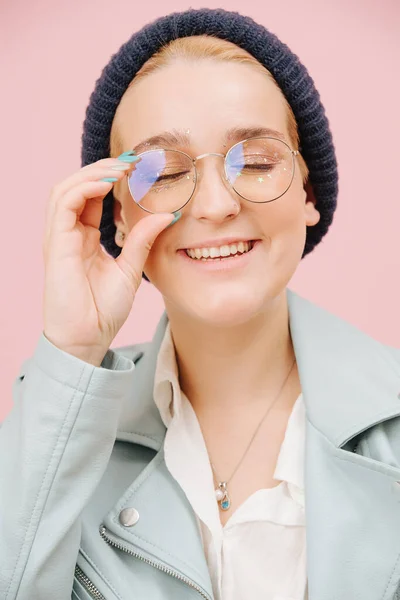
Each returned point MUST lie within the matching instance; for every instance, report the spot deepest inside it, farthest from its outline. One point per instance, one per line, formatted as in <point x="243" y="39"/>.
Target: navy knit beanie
<point x="316" y="143"/>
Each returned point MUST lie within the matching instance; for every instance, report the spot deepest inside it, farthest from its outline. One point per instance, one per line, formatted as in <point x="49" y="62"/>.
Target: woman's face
<point x="204" y="100"/>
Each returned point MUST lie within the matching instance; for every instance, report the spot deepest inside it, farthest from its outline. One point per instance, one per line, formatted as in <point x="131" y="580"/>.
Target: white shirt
<point x="260" y="553"/>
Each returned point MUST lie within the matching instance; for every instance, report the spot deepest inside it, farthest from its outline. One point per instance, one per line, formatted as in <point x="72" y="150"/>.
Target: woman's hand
<point x="88" y="294"/>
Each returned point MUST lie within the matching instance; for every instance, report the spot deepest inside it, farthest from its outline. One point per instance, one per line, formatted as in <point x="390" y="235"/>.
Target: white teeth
<point x="223" y="251"/>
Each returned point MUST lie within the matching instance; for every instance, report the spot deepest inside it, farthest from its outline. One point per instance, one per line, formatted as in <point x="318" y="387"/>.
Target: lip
<point x="221" y="266"/>
<point x="217" y="243"/>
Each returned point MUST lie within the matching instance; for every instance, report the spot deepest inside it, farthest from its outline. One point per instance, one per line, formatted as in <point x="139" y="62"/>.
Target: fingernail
<point x="126" y="153"/>
<point x="121" y="167"/>
<point x="178" y="215"/>
<point x="128" y="159"/>
<point x="111" y="179"/>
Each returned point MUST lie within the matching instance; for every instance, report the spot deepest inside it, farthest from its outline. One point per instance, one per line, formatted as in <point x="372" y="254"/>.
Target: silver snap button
<point x="128" y="517"/>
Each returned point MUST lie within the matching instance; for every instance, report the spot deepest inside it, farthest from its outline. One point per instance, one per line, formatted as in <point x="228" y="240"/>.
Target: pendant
<point x="222" y="496"/>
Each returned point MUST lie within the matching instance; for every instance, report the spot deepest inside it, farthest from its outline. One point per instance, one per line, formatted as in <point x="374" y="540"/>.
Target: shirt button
<point x="128" y="517"/>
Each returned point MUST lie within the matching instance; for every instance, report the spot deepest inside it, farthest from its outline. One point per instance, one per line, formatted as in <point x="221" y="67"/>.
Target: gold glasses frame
<point x="294" y="153"/>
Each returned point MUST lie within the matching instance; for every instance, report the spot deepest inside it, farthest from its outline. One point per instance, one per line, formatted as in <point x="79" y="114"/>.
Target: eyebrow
<point x="178" y="138"/>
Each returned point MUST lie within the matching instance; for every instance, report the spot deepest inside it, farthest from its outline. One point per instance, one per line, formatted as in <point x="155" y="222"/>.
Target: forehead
<point x="205" y="98"/>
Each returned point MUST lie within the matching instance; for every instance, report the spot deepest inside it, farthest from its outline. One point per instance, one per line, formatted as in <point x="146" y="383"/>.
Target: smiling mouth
<point x="220" y="253"/>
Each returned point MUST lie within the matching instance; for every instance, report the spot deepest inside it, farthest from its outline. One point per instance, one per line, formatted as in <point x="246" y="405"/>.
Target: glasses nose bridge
<point x="201" y="156"/>
<point x="207" y="154"/>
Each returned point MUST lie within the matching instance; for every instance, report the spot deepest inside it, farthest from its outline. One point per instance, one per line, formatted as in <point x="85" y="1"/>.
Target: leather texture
<point x="83" y="443"/>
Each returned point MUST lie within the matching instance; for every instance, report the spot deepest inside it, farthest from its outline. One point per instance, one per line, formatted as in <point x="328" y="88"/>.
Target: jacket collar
<point x="336" y="361"/>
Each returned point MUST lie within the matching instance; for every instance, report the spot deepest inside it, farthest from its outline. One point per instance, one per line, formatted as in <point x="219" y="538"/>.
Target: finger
<point x="92" y="172"/>
<point x="138" y="245"/>
<point x="91" y="214"/>
<point x="67" y="211"/>
<point x="97" y="170"/>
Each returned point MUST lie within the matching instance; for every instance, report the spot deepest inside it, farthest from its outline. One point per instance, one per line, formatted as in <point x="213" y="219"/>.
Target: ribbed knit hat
<point x="292" y="77"/>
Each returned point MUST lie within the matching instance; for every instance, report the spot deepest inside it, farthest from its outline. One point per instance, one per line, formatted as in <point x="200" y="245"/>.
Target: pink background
<point x="51" y="54"/>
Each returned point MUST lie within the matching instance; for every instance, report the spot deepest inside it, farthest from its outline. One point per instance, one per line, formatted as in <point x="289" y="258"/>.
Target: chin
<point x="224" y="309"/>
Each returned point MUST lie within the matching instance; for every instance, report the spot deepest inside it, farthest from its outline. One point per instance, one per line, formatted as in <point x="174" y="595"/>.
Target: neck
<point x="232" y="367"/>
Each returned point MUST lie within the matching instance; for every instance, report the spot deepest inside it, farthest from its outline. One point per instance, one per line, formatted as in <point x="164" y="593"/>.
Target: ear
<point x="119" y="220"/>
<point x="311" y="213"/>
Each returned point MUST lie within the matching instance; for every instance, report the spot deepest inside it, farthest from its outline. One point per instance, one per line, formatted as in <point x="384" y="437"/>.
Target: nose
<point x="213" y="198"/>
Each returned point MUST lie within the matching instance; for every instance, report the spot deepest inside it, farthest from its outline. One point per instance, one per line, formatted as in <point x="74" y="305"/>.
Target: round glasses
<point x="259" y="169"/>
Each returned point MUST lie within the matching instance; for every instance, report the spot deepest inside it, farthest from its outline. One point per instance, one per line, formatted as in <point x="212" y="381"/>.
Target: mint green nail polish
<point x="178" y="215"/>
<point x="129" y="159"/>
<point x="111" y="179"/>
<point x="124" y="154"/>
<point x="127" y="152"/>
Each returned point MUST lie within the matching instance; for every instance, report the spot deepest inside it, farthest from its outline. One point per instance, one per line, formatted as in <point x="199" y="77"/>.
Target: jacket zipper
<point x="110" y="539"/>
<point x="88" y="585"/>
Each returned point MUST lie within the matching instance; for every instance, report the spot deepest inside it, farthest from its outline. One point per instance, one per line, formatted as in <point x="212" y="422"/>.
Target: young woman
<point x="251" y="449"/>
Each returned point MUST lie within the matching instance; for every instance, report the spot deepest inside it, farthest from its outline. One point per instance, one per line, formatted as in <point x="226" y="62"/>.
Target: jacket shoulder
<point x="395" y="352"/>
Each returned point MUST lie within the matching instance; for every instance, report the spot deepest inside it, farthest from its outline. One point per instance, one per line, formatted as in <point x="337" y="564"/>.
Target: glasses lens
<point x="162" y="181"/>
<point x="260" y="169"/>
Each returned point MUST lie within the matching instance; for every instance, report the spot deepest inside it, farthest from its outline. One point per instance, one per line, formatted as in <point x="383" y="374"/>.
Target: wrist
<point x="90" y="355"/>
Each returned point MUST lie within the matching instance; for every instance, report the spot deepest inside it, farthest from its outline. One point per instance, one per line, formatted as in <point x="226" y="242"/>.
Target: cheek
<point x="284" y="228"/>
<point x="282" y="216"/>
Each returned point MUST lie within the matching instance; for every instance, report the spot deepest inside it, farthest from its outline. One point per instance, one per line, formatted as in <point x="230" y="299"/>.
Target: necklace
<point x="221" y="493"/>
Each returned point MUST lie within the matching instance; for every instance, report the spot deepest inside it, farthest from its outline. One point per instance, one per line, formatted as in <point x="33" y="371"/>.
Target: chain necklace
<point x="221" y="493"/>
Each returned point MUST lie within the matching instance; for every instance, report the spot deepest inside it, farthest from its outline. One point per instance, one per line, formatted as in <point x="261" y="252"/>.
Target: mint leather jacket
<point x="88" y="509"/>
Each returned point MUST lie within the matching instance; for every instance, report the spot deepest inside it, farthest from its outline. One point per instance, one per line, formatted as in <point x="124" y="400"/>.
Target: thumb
<point x="139" y="243"/>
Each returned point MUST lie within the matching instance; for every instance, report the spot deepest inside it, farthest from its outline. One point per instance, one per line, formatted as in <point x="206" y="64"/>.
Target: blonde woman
<point x="251" y="449"/>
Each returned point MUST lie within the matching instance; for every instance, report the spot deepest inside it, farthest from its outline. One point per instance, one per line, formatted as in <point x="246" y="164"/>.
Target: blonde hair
<point x="208" y="47"/>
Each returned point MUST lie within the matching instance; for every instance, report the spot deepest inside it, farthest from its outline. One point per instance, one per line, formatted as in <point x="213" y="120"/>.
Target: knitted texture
<point x="292" y="77"/>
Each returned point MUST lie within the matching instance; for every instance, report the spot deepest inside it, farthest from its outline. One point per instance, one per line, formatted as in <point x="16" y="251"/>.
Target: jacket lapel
<point x="167" y="534"/>
<point x="349" y="380"/>
<point x="350" y="383"/>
